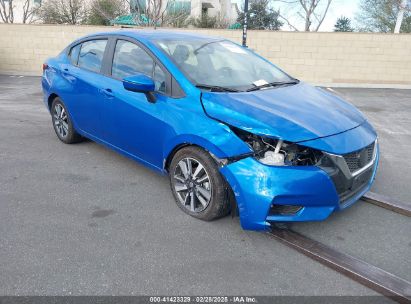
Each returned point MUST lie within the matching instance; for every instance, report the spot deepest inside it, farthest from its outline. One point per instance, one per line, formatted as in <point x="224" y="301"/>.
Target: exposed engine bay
<point x="277" y="152"/>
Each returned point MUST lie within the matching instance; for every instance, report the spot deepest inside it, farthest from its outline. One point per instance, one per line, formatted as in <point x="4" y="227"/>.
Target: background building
<point x="224" y="9"/>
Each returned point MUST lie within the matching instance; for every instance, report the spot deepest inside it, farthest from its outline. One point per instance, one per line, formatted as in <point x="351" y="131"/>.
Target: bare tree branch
<point x="29" y="11"/>
<point x="288" y="22"/>
<point x="323" y="16"/>
<point x="7" y="11"/>
<point x="312" y="12"/>
<point x="160" y="13"/>
<point x="63" y="11"/>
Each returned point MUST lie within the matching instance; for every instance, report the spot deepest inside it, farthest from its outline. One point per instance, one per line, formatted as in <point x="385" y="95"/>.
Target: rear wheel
<point x="197" y="185"/>
<point x="62" y="123"/>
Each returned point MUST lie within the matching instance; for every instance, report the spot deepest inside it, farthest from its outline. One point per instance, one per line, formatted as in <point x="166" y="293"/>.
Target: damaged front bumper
<point x="306" y="193"/>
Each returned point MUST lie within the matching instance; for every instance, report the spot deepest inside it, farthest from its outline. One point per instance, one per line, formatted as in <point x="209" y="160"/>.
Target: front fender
<point x="222" y="143"/>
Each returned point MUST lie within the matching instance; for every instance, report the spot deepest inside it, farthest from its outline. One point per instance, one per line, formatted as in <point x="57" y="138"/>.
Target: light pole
<point x="245" y="23"/>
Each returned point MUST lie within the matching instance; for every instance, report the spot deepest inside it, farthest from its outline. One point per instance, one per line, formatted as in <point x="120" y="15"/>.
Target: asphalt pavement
<point x="82" y="220"/>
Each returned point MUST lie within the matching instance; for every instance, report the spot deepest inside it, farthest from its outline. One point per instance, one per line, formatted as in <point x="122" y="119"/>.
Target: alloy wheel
<point x="192" y="185"/>
<point x="60" y="120"/>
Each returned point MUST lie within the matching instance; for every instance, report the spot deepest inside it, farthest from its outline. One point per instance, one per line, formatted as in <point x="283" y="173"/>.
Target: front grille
<point x="359" y="159"/>
<point x="352" y="175"/>
<point x="358" y="184"/>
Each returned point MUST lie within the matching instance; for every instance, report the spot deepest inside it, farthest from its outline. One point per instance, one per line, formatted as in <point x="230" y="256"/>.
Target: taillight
<point x="45" y="66"/>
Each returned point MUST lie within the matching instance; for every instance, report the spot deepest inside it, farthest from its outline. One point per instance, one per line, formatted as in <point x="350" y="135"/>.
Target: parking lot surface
<point x="82" y="220"/>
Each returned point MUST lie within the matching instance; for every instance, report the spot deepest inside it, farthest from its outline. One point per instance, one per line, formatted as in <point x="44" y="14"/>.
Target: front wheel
<point x="197" y="185"/>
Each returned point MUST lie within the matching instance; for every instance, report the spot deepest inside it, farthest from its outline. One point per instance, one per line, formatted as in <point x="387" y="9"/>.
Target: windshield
<point x="222" y="64"/>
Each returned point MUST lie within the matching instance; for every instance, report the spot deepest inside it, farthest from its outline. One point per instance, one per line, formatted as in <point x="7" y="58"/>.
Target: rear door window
<point x="91" y="55"/>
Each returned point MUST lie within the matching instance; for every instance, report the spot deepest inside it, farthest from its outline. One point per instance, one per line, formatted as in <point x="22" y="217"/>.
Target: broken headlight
<point x="276" y="152"/>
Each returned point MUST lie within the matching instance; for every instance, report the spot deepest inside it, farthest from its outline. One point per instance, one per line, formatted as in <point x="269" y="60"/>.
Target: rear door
<point x="85" y="72"/>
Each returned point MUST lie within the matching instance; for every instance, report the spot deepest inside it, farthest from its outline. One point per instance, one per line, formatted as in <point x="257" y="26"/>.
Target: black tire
<point x="62" y="125"/>
<point x="219" y="201"/>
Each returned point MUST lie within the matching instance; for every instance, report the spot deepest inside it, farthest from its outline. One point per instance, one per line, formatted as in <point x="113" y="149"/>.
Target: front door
<point x="131" y="122"/>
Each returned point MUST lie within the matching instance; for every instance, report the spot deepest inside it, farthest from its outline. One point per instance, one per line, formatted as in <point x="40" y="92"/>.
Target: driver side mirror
<point x="140" y="83"/>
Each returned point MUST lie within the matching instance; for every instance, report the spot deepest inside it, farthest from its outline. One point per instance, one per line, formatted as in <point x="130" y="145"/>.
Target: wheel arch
<point x="169" y="157"/>
<point x="50" y="100"/>
<point x="219" y="144"/>
<point x="174" y="147"/>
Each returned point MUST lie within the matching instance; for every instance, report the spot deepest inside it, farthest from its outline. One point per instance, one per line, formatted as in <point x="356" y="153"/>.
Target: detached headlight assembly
<point x="276" y="152"/>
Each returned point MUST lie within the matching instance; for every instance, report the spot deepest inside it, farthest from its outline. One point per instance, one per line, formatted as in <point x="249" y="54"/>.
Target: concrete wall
<point x="321" y="58"/>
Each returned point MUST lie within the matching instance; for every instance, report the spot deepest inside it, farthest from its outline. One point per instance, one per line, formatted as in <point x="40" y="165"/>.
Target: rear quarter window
<point x="73" y="54"/>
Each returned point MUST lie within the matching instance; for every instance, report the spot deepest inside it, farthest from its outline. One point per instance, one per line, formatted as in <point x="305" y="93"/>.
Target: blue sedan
<point x="234" y="132"/>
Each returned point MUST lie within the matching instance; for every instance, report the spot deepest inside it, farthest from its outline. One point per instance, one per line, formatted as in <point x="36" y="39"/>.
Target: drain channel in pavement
<point x="388" y="203"/>
<point x="373" y="277"/>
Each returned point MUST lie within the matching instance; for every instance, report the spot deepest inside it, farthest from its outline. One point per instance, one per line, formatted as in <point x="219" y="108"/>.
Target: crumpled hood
<point x="294" y="113"/>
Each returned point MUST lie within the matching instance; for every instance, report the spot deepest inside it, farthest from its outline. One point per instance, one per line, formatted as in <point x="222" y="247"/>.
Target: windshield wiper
<point x="205" y="44"/>
<point x="213" y="88"/>
<point x="274" y="84"/>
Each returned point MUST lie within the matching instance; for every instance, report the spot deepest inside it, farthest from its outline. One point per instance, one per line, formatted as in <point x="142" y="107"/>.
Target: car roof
<point x="154" y="35"/>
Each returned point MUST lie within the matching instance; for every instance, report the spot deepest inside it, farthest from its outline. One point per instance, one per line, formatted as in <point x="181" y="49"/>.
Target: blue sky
<point x="338" y="8"/>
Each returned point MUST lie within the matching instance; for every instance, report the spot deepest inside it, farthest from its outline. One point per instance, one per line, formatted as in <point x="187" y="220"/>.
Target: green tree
<point x="261" y="16"/>
<point x="103" y="11"/>
<point x="204" y="21"/>
<point x="343" y="24"/>
<point x="381" y="16"/>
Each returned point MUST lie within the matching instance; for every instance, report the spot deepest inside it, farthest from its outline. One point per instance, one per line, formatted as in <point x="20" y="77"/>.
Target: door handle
<point x="107" y="92"/>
